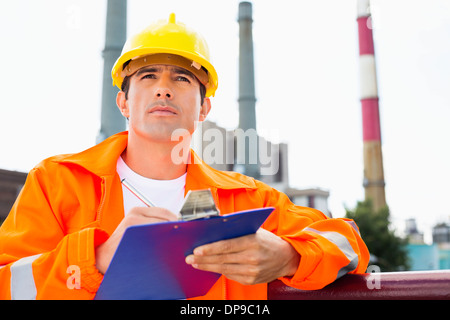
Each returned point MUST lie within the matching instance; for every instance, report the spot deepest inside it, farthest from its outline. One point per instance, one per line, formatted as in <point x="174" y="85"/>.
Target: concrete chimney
<point x="112" y="120"/>
<point x="373" y="160"/>
<point x="247" y="99"/>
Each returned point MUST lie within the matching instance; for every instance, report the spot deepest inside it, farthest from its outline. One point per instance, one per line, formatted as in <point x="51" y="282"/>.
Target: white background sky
<point x="306" y="61"/>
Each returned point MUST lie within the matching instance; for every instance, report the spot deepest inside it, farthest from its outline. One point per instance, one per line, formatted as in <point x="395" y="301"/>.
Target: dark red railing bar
<point x="409" y="285"/>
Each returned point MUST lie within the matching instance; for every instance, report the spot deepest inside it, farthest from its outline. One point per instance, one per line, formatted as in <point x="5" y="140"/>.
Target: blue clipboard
<point x="149" y="262"/>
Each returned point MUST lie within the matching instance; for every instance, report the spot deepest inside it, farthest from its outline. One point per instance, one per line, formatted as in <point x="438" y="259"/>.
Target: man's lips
<point x="162" y="110"/>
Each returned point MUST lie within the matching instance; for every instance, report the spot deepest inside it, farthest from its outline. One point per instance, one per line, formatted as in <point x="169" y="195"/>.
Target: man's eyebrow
<point x="149" y="69"/>
<point x="175" y="69"/>
<point x="183" y="71"/>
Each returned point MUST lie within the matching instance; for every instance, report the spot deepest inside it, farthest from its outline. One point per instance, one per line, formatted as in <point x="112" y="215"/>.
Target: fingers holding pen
<point x="136" y="216"/>
<point x="142" y="215"/>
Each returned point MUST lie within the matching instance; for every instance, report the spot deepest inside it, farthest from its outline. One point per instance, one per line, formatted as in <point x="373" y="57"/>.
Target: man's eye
<point x="149" y="76"/>
<point x="181" y="78"/>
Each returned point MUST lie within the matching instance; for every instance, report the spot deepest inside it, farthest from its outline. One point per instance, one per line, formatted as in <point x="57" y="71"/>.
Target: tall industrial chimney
<point x="112" y="120"/>
<point x="247" y="99"/>
<point x="373" y="161"/>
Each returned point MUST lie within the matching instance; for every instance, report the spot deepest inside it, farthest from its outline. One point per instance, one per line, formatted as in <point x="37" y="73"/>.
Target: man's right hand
<point x="136" y="216"/>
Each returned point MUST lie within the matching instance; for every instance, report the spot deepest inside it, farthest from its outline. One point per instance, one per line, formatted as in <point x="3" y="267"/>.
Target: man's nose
<point x="163" y="90"/>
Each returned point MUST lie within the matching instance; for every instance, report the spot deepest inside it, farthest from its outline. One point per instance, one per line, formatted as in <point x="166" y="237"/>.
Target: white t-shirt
<point x="168" y="194"/>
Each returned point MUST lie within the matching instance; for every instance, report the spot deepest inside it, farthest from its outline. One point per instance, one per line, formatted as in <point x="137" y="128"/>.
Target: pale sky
<point x="306" y="61"/>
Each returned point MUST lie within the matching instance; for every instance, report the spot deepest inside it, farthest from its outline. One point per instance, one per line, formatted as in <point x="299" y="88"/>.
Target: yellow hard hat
<point x="168" y="37"/>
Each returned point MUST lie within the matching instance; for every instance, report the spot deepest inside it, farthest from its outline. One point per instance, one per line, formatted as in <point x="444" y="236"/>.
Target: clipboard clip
<point x="198" y="204"/>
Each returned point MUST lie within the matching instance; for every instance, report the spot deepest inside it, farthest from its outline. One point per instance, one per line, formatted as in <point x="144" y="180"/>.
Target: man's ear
<point x="122" y="104"/>
<point x="204" y="109"/>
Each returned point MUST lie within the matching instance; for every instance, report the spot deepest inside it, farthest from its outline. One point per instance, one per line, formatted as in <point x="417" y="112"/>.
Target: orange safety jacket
<point x="70" y="204"/>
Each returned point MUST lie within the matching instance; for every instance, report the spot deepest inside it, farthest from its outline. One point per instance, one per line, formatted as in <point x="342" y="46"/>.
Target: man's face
<point x="162" y="99"/>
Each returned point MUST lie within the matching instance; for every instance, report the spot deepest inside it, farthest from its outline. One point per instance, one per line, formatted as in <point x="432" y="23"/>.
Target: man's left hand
<point x="257" y="258"/>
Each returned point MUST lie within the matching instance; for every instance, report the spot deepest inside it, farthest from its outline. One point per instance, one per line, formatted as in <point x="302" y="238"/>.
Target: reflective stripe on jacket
<point x="70" y="204"/>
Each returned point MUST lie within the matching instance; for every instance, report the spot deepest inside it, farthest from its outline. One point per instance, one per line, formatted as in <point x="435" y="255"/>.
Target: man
<point x="68" y="220"/>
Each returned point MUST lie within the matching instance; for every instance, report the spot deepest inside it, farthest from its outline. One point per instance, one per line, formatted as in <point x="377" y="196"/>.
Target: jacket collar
<point x="101" y="160"/>
<point x="198" y="171"/>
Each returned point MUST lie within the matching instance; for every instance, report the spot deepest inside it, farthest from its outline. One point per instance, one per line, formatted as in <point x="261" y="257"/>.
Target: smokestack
<point x="373" y="161"/>
<point x="247" y="99"/>
<point x="112" y="120"/>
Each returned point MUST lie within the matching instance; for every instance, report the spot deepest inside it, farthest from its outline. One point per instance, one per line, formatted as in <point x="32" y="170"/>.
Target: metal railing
<point x="409" y="285"/>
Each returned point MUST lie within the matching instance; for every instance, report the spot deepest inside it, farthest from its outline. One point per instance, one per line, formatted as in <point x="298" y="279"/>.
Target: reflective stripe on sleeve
<point x="342" y="243"/>
<point x="353" y="224"/>
<point x="22" y="280"/>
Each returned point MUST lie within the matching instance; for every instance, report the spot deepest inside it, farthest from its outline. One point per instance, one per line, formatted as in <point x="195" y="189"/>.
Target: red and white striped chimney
<point x="373" y="160"/>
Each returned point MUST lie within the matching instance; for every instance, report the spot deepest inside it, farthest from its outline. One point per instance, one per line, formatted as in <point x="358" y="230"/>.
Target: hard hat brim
<point x="116" y="72"/>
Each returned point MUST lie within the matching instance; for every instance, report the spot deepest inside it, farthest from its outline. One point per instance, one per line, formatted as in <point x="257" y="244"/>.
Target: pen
<point x="139" y="195"/>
